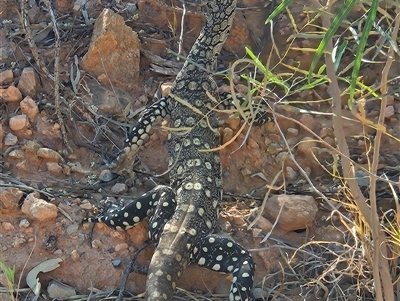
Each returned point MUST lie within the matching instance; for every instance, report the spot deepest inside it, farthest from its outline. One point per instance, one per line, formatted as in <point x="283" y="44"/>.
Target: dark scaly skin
<point x="183" y="215"/>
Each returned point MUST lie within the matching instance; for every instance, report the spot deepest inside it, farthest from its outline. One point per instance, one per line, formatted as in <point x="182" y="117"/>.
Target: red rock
<point x="38" y="208"/>
<point x="7" y="226"/>
<point x="10" y="139"/>
<point x="54" y="168"/>
<point x="292" y="132"/>
<point x="75" y="255"/>
<point x="114" y="51"/>
<point x="11" y="94"/>
<point x="17" y="154"/>
<point x="29" y="108"/>
<point x="389" y="111"/>
<point x="298" y="211"/>
<point x="227" y="135"/>
<point x="118" y="234"/>
<point x="233" y="122"/>
<point x="64" y="6"/>
<point x="306" y="146"/>
<point x="49" y="154"/>
<point x="7" y="47"/>
<point x="309" y="121"/>
<point x="29" y="83"/>
<point x="9" y="198"/>
<point x="19" y="122"/>
<point x="119" y="188"/>
<point x="121" y="247"/>
<point x="6" y="77"/>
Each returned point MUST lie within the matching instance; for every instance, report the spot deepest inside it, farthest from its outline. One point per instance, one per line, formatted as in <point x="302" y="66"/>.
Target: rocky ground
<point x="62" y="124"/>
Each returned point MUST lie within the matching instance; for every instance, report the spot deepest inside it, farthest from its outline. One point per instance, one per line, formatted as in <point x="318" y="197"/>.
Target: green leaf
<point x="278" y="10"/>
<point x="337" y="21"/>
<point x="315" y="83"/>
<point x="255" y="59"/>
<point x="321" y="69"/>
<point x="360" y="49"/>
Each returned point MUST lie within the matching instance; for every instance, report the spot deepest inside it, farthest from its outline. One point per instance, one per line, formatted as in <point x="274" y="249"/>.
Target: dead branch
<point x="57" y="76"/>
<point x="43" y="68"/>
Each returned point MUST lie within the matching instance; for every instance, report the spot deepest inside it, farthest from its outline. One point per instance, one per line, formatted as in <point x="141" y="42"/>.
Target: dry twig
<point x="57" y="76"/>
<point x="43" y="68"/>
<point x="381" y="265"/>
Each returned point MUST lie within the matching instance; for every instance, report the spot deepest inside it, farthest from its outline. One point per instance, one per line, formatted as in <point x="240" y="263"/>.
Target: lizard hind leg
<point x="222" y="254"/>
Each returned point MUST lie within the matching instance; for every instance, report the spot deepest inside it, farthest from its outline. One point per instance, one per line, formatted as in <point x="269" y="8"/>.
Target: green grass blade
<point x="313" y="84"/>
<point x="278" y="10"/>
<point x="360" y="49"/>
<point x="255" y="59"/>
<point x="337" y="21"/>
<point x="338" y="52"/>
<point x="321" y="69"/>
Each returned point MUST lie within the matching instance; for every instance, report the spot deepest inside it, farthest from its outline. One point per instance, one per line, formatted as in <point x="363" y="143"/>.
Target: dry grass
<point x="366" y="265"/>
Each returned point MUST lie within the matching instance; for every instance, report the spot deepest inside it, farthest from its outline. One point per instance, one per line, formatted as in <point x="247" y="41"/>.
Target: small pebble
<point x="233" y="122"/>
<point x="131" y="7"/>
<point x="58" y="252"/>
<point x="106" y="175"/>
<point x="39" y="209"/>
<point x="119" y="188"/>
<point x="116" y="263"/>
<point x="96" y="244"/>
<point x="389" y="111"/>
<point x="75" y="255"/>
<point x="282" y="156"/>
<point x="274" y="148"/>
<point x="59" y="291"/>
<point x="306" y="145"/>
<point x="19" y="242"/>
<point x="7" y="226"/>
<point x="227" y="135"/>
<point x="86" y="205"/>
<point x="309" y="121"/>
<point x="29" y="108"/>
<point x="121" y="247"/>
<point x="72" y="229"/>
<point x="118" y="234"/>
<point x="291" y="173"/>
<point x="326" y="132"/>
<point x="49" y="154"/>
<point x="252" y="144"/>
<point x="24" y="223"/>
<point x="245" y="171"/>
<point x="10" y="139"/>
<point x="29" y="82"/>
<point x="292" y="132"/>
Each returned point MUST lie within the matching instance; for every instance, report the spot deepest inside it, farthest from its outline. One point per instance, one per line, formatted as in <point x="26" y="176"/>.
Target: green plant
<point x="10" y="278"/>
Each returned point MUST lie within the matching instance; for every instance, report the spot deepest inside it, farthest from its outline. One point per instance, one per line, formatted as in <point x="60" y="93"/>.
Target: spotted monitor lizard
<point x="183" y="215"/>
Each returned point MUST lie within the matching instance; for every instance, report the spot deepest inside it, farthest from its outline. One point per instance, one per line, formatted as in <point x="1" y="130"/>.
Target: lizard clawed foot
<point x="124" y="163"/>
